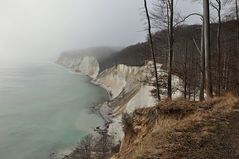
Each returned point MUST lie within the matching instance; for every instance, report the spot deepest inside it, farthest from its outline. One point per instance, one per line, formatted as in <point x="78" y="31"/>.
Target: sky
<point x="33" y="29"/>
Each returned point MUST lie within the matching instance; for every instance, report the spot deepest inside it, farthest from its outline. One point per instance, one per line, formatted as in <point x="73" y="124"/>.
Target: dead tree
<point x="152" y="49"/>
<point x="163" y="16"/>
<point x="171" y="43"/>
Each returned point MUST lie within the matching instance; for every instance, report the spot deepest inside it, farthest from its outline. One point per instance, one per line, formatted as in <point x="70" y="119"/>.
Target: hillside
<point x="180" y="129"/>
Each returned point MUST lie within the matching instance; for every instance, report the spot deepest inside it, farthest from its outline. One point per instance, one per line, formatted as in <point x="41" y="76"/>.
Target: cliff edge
<point x="183" y="129"/>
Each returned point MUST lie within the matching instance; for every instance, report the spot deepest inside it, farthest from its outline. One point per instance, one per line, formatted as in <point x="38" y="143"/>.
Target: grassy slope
<point x="182" y="130"/>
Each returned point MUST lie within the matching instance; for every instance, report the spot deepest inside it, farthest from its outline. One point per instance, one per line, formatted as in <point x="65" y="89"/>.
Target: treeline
<point x="205" y="55"/>
<point x="187" y="56"/>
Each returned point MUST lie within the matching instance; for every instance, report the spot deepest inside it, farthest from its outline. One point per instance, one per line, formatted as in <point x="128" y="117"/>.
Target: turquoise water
<point x="43" y="109"/>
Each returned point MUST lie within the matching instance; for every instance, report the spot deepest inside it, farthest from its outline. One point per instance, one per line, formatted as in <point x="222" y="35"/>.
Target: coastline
<point x="104" y="109"/>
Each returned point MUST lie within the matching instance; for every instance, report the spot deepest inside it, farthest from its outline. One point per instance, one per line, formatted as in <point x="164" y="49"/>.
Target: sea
<point x="45" y="109"/>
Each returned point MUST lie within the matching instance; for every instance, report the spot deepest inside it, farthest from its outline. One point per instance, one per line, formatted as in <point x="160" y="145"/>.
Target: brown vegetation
<point x="181" y="129"/>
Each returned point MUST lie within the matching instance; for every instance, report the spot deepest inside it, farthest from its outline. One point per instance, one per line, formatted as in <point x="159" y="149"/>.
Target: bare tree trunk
<point x="224" y="71"/>
<point x="185" y="72"/>
<point x="237" y="18"/>
<point x="227" y="73"/>
<point x="170" y="59"/>
<point x="195" y="80"/>
<point x="206" y="15"/>
<point x="219" y="47"/>
<point x="202" y="83"/>
<point x="237" y="63"/>
<point x="152" y="50"/>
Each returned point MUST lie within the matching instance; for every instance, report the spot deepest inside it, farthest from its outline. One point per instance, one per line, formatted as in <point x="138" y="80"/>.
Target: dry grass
<point x="184" y="130"/>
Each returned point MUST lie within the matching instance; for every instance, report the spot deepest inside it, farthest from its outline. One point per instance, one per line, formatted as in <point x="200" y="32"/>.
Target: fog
<point x="39" y="29"/>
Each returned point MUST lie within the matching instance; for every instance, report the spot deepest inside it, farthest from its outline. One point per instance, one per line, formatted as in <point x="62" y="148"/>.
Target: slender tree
<point x="171" y="45"/>
<point x="163" y="17"/>
<point x="152" y="49"/>
<point x="185" y="71"/>
<point x="218" y="7"/>
<point x="237" y="65"/>
<point x="206" y="21"/>
<point x="202" y="83"/>
<point x="237" y="18"/>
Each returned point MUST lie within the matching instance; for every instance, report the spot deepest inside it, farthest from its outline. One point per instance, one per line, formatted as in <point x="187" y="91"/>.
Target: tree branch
<point x="188" y="16"/>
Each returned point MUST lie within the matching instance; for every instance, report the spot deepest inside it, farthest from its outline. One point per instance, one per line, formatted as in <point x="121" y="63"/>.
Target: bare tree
<point x="237" y="18"/>
<point x="185" y="71"/>
<point x="86" y="147"/>
<point x="206" y="21"/>
<point x="202" y="80"/>
<point x="163" y="17"/>
<point x="218" y="7"/>
<point x="234" y="12"/>
<point x="237" y="67"/>
<point x="152" y="48"/>
<point x="171" y="43"/>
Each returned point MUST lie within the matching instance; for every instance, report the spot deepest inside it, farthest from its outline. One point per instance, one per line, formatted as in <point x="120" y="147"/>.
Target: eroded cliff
<point x="87" y="65"/>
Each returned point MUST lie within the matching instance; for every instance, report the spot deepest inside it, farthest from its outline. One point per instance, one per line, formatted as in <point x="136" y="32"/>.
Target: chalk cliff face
<point x="121" y="79"/>
<point x="130" y="89"/>
<point x="129" y="86"/>
<point x="87" y="65"/>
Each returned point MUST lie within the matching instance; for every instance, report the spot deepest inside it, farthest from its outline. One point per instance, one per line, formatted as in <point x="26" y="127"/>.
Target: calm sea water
<point x="43" y="109"/>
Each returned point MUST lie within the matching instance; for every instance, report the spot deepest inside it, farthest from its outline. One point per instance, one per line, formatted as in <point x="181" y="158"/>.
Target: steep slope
<point x="180" y="129"/>
<point x="130" y="89"/>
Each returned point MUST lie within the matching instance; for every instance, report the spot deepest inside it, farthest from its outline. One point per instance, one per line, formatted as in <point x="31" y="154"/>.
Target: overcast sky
<point x="39" y="28"/>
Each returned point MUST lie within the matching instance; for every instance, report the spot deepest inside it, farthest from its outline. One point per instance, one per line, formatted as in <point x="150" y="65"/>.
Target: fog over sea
<point x="44" y="108"/>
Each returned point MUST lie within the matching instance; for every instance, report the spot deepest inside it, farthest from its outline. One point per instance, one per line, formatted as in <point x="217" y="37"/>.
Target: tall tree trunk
<point x="219" y="47"/>
<point x="224" y="71"/>
<point x="206" y="15"/>
<point x="152" y="50"/>
<point x="185" y="72"/>
<point x="237" y="18"/>
<point x="195" y="79"/>
<point x="237" y="63"/>
<point x="170" y="59"/>
<point x="202" y="83"/>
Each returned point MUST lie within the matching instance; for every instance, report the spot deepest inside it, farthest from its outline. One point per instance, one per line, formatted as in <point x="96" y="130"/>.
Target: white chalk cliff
<point x="87" y="65"/>
<point x="130" y="90"/>
<point x="128" y="86"/>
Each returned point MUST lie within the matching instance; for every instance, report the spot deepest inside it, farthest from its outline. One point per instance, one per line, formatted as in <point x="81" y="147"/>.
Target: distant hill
<point x="134" y="55"/>
<point x="99" y="52"/>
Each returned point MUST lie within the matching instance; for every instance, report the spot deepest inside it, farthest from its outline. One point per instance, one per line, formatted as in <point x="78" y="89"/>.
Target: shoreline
<point x="92" y="81"/>
<point x="103" y="111"/>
